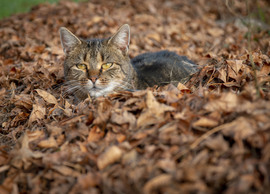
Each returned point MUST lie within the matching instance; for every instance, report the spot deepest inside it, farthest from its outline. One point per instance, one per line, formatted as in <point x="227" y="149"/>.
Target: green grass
<point x="10" y="7"/>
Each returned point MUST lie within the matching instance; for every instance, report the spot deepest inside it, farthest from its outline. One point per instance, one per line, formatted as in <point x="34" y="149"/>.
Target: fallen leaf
<point x="123" y="118"/>
<point x="66" y="171"/>
<point x="153" y="112"/>
<point x="37" y="113"/>
<point x="205" y="122"/>
<point x="48" y="143"/>
<point x="226" y="103"/>
<point x="215" y="32"/>
<point x="95" y="134"/>
<point x="236" y="65"/>
<point x="241" y="128"/>
<point x="222" y="75"/>
<point x="110" y="156"/>
<point x="23" y="100"/>
<point x="157" y="182"/>
<point x="217" y="143"/>
<point x="88" y="180"/>
<point x="47" y="96"/>
<point x="23" y="154"/>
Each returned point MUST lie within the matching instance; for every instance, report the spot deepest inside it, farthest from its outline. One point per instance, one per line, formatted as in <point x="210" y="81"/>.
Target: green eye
<point x="81" y="66"/>
<point x="106" y="65"/>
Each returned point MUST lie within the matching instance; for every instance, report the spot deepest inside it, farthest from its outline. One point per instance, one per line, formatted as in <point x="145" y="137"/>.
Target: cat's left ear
<point x="68" y="40"/>
<point x="121" y="39"/>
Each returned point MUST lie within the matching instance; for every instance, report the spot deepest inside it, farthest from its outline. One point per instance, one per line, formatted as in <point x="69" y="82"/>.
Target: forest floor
<point x="211" y="135"/>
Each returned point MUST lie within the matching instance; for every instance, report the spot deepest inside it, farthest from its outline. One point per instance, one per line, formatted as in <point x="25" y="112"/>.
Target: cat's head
<point x="96" y="67"/>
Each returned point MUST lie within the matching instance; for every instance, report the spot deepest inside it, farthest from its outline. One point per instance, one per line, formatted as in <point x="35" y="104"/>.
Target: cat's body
<point x="161" y="68"/>
<point x="98" y="67"/>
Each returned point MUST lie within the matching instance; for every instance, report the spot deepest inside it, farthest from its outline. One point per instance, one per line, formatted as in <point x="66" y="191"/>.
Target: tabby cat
<point x="98" y="67"/>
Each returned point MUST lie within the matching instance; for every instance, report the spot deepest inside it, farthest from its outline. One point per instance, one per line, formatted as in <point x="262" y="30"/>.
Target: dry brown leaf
<point x="233" y="74"/>
<point x="166" y="165"/>
<point x="88" y="180"/>
<point x="236" y="65"/>
<point x="154" y="36"/>
<point x="48" y="143"/>
<point x="153" y="112"/>
<point x="228" y="102"/>
<point x="157" y="182"/>
<point x="130" y="157"/>
<point x="66" y="171"/>
<point x="217" y="143"/>
<point x="222" y="75"/>
<point x="103" y="112"/>
<point x="120" y="138"/>
<point x="181" y="86"/>
<point x="110" y="156"/>
<point x="215" y="32"/>
<point x="47" y="96"/>
<point x="35" y="135"/>
<point x="54" y="130"/>
<point x="241" y="128"/>
<point x="23" y="100"/>
<point x="205" y="122"/>
<point x="123" y="118"/>
<point x="73" y="120"/>
<point x="94" y="20"/>
<point x="4" y="168"/>
<point x="245" y="183"/>
<point x="37" y="113"/>
<point x="22" y="116"/>
<point x="7" y="186"/>
<point x="265" y="71"/>
<point x="23" y="154"/>
<point x="95" y="134"/>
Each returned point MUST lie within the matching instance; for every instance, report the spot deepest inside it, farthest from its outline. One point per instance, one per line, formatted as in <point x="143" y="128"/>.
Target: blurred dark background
<point x="9" y="7"/>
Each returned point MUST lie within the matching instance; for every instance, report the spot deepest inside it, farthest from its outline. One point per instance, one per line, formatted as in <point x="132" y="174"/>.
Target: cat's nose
<point x="93" y="79"/>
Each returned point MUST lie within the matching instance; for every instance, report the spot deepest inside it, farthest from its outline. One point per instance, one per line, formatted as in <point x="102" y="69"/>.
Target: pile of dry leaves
<point x="210" y="136"/>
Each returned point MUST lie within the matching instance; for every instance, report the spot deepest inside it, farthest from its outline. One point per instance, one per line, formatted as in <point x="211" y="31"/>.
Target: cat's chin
<point x="95" y="92"/>
<point x="98" y="91"/>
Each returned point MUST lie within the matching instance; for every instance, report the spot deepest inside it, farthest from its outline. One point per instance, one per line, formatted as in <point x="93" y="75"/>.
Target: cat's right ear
<point x="121" y="39"/>
<point x="68" y="40"/>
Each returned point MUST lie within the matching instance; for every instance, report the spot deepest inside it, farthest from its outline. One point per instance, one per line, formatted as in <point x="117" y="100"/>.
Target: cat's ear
<point x="68" y="40"/>
<point x="121" y="39"/>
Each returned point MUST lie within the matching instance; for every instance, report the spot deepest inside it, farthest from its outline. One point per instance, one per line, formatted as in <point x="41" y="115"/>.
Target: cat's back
<point x="163" y="67"/>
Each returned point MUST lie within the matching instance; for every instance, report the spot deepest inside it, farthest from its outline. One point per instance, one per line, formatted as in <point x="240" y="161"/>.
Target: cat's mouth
<point x="97" y="87"/>
<point x="94" y="88"/>
<point x="96" y="91"/>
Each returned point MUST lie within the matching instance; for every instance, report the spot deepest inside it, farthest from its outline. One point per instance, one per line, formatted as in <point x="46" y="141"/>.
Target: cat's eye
<point x="81" y="66"/>
<point x="106" y="66"/>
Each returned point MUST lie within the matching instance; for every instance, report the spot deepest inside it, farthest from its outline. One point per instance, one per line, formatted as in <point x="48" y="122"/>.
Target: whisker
<point x="66" y="83"/>
<point x="69" y="93"/>
<point x="71" y="89"/>
<point x="77" y="90"/>
<point x="125" y="84"/>
<point x="173" y="81"/>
